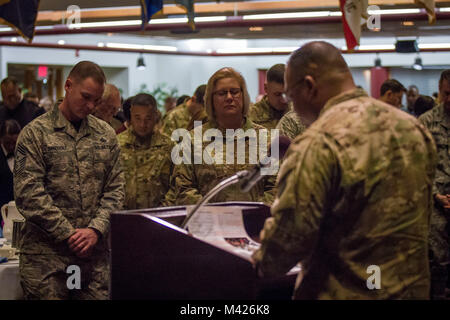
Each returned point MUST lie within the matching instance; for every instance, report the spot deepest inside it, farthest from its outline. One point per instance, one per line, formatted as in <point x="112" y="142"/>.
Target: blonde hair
<point x="223" y="73"/>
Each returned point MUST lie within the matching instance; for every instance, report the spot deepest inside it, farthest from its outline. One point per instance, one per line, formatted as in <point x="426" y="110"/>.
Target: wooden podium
<point x="152" y="258"/>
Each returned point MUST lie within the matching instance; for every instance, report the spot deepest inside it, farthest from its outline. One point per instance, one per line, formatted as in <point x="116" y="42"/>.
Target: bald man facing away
<point x="354" y="190"/>
<point x="109" y="105"/>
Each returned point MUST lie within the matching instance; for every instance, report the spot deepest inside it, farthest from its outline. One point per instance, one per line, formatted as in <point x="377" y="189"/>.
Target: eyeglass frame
<point x="226" y="92"/>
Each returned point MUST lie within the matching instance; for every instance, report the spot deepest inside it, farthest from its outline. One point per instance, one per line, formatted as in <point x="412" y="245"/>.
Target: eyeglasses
<point x="235" y="93"/>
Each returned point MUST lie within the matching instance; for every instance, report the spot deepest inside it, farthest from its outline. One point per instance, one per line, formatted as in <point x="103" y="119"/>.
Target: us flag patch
<point x="20" y="160"/>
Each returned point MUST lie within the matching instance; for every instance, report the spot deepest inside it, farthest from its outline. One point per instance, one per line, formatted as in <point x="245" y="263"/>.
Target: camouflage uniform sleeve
<point x="185" y="185"/>
<point x="113" y="192"/>
<point x="168" y="125"/>
<point x="31" y="197"/>
<point x="427" y="121"/>
<point x="183" y="180"/>
<point x="290" y="236"/>
<point x="166" y="178"/>
<point x="270" y="190"/>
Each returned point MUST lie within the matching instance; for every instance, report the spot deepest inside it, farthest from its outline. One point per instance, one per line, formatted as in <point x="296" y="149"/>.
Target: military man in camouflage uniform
<point x="274" y="104"/>
<point x="437" y="120"/>
<point x="227" y="104"/>
<point x="67" y="181"/>
<point x="354" y="190"/>
<point x="181" y="116"/>
<point x="291" y="125"/>
<point x="145" y="155"/>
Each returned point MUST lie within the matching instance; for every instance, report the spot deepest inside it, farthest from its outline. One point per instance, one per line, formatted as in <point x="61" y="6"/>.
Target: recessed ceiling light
<point x="61" y="42"/>
<point x="255" y="29"/>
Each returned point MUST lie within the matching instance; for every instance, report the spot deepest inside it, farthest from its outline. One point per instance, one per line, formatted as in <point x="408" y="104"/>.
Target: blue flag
<point x="148" y="9"/>
<point x="20" y="15"/>
<point x="189" y="7"/>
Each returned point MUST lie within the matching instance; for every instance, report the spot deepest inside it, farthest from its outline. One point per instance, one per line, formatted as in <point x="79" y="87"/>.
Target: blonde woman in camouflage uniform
<point x="227" y="103"/>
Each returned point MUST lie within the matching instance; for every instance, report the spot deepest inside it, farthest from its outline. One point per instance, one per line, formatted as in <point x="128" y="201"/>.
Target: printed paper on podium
<point x="224" y="228"/>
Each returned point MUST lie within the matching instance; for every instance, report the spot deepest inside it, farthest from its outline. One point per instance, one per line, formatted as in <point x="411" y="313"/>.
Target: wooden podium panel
<point x="152" y="258"/>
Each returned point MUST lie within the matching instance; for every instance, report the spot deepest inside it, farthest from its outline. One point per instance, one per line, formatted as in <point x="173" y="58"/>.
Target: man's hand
<point x="82" y="242"/>
<point x="443" y="200"/>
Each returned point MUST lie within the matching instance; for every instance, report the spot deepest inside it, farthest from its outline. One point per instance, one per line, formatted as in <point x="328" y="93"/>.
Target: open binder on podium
<point x="153" y="258"/>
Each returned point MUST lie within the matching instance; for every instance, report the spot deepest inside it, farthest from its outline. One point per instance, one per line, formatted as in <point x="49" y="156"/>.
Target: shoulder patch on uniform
<point x="20" y="159"/>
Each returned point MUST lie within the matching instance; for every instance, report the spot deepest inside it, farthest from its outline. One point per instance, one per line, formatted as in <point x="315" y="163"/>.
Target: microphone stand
<point x="222" y="185"/>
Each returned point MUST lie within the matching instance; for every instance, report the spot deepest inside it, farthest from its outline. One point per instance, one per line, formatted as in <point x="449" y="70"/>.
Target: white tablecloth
<point x="10" y="288"/>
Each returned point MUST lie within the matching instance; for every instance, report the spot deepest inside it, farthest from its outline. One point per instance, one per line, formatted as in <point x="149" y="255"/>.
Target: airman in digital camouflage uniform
<point x="437" y="120"/>
<point x="274" y="104"/>
<point x="67" y="181"/>
<point x="145" y="155"/>
<point x="182" y="115"/>
<point x="291" y="125"/>
<point x="227" y="103"/>
<point x="354" y="196"/>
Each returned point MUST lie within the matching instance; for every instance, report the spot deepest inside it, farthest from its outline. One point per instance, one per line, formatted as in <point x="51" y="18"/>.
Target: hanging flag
<point x="189" y="7"/>
<point x="429" y="7"/>
<point x="148" y="9"/>
<point x="354" y="13"/>
<point x="20" y="15"/>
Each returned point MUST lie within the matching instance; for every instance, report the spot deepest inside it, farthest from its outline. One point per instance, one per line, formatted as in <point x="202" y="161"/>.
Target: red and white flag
<point x="429" y="7"/>
<point x="354" y="14"/>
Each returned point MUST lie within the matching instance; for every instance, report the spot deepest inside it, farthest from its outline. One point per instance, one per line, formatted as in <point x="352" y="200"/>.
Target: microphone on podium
<point x="248" y="177"/>
<point x="254" y="175"/>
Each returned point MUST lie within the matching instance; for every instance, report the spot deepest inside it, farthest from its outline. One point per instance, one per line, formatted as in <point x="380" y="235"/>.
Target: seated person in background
<point x="411" y="96"/>
<point x="182" y="99"/>
<point x="109" y="105"/>
<point x="169" y="105"/>
<point x="227" y="103"/>
<point x="145" y="155"/>
<point x="269" y="110"/>
<point x="46" y="103"/>
<point x="14" y="107"/>
<point x="9" y="131"/>
<point x="185" y="112"/>
<point x="290" y="125"/>
<point x="32" y="97"/>
<point x="126" y="113"/>
<point x="391" y="92"/>
<point x="423" y="104"/>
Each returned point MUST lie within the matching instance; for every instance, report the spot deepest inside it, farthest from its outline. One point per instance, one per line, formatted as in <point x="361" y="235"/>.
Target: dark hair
<point x="423" y="104"/>
<point x="182" y="99"/>
<point x="126" y="105"/>
<point x="30" y="95"/>
<point x="445" y="75"/>
<point x="276" y="73"/>
<point x="87" y="69"/>
<point x="144" y="99"/>
<point x="9" y="80"/>
<point x="200" y="94"/>
<point x="393" y="85"/>
<point x="9" y="126"/>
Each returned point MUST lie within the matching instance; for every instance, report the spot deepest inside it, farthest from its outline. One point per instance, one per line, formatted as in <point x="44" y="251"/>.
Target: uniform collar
<point x="347" y="95"/>
<point x="60" y="123"/>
